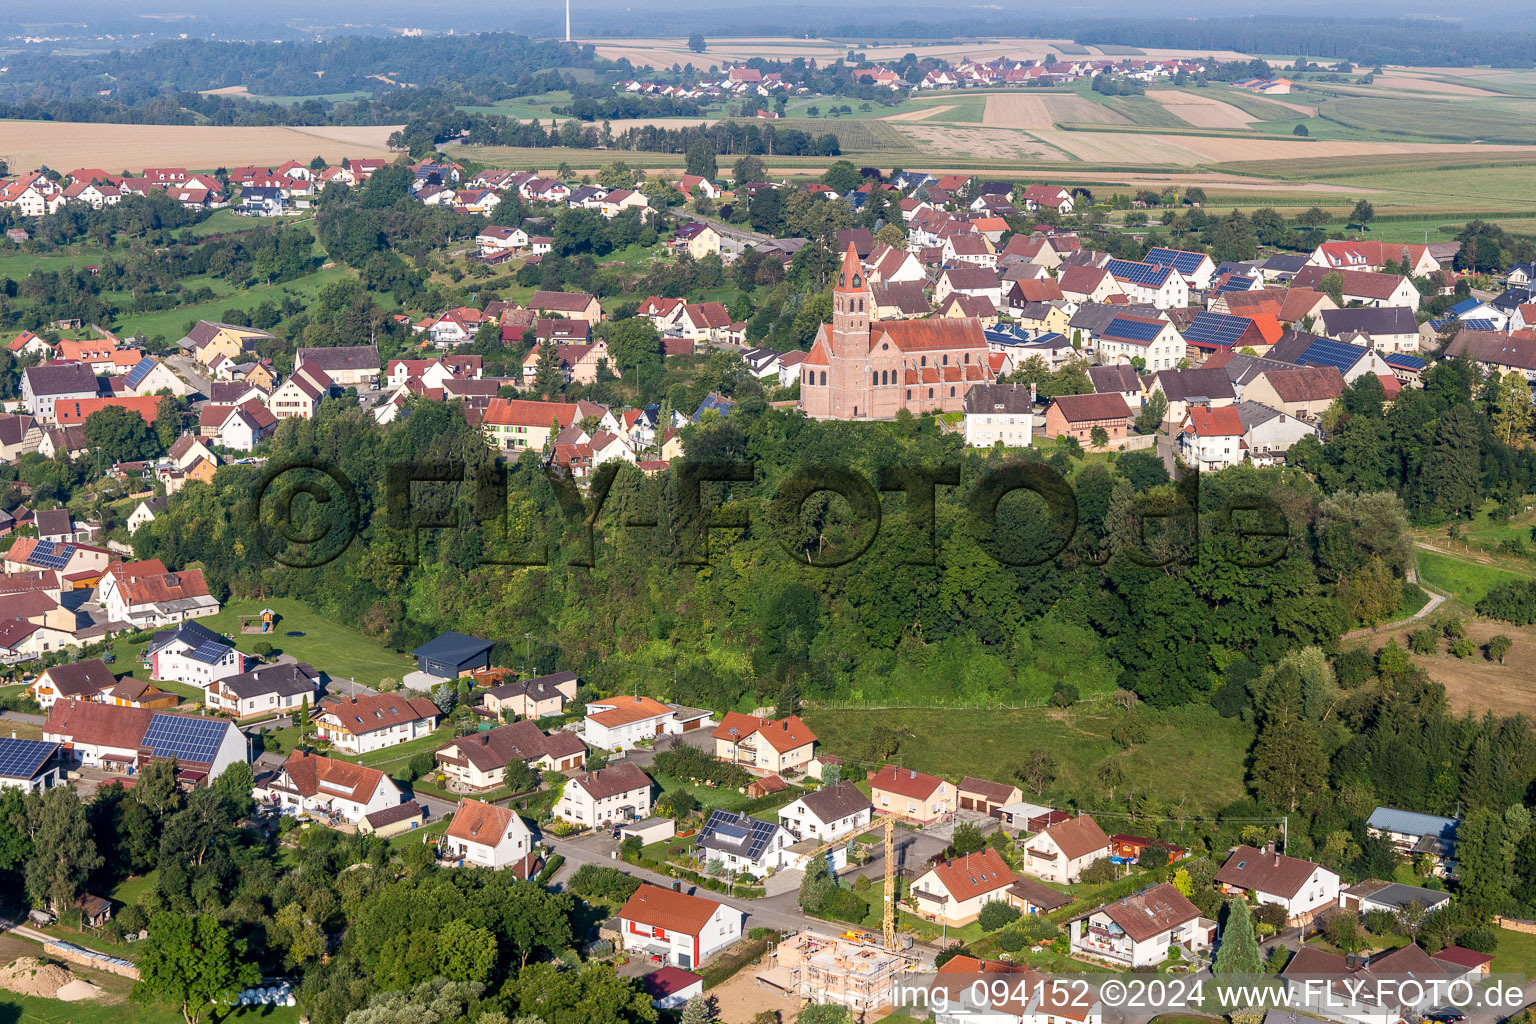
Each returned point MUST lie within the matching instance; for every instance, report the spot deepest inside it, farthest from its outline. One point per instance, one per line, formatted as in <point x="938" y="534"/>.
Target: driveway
<point x="190" y="371"/>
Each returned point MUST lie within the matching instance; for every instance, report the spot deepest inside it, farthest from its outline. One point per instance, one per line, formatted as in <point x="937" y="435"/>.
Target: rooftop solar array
<point x="1476" y="324"/>
<point x="1178" y="259"/>
<point x="51" y="554"/>
<point x="1406" y="361"/>
<point x="1133" y="330"/>
<point x="185" y="739"/>
<point x="737" y="833"/>
<point x="140" y="371"/>
<point x="210" y="652"/>
<point x="1327" y="352"/>
<point x="1148" y="274"/>
<point x="1235" y="284"/>
<point x="22" y="759"/>
<point x="1216" y="330"/>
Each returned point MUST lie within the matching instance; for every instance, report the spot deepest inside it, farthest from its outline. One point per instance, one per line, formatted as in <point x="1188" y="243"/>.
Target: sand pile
<point x="77" y="990"/>
<point x="30" y="976"/>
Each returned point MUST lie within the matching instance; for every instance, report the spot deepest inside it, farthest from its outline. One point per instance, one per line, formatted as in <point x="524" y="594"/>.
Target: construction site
<point x="851" y="970"/>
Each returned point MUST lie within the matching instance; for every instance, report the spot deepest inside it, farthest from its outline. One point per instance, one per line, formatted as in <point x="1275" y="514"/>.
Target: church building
<point x="858" y="370"/>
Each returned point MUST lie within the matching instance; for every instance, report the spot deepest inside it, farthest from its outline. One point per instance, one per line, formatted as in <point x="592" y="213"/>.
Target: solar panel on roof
<point x="22" y="759"/>
<point x="185" y="739"/>
<point x="210" y="652"/>
<point x="1235" y="284"/>
<point x="1327" y="352"/>
<point x="1134" y="330"/>
<point x="1178" y="259"/>
<point x="1148" y="274"/>
<point x="1216" y="330"/>
<point x="51" y="555"/>
<point x="139" y="372"/>
<point x="1406" y="361"/>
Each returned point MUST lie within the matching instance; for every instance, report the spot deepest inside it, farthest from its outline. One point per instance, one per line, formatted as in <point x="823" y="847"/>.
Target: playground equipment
<point x="262" y="622"/>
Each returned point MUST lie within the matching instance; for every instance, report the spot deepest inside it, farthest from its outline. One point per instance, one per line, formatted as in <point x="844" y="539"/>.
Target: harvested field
<point x="1200" y="111"/>
<point x="988" y="143"/>
<point x="197" y="147"/>
<point x="1189" y="150"/>
<point x="1022" y="110"/>
<point x="1477" y="684"/>
<point x="1420" y="83"/>
<point x="919" y="115"/>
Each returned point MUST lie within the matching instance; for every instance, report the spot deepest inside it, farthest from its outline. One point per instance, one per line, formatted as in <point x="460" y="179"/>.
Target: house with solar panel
<point x="1353" y="361"/>
<point x="1152" y="341"/>
<point x="192" y="653"/>
<point x="1386" y="329"/>
<point x="742" y="843"/>
<point x="29" y="765"/>
<point x="126" y="740"/>
<point x="29" y="554"/>
<point x="1149" y="284"/>
<point x="1196" y="268"/>
<point x="151" y="376"/>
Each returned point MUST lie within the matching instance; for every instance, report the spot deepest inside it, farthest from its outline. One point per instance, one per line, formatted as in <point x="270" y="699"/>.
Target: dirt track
<point x="920" y="115"/>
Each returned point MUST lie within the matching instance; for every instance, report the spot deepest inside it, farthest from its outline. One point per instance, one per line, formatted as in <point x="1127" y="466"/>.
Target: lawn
<point x="1192" y="756"/>
<point x="131" y="889"/>
<point x="1516" y="954"/>
<point x="31" y="1010"/>
<point x="17" y="265"/>
<point x="337" y="650"/>
<point x="1467" y="581"/>
<point x="725" y="799"/>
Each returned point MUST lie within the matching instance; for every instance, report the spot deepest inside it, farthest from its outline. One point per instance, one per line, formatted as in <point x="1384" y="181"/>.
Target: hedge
<point x="725" y="966"/>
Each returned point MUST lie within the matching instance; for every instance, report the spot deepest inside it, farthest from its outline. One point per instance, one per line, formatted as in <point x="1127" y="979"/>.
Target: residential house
<point x="192" y="653"/>
<point x="43" y="386"/>
<point x="1212" y="439"/>
<point x="968" y="280"/>
<point x="516" y="424"/>
<point x="299" y="396"/>
<point x="346" y="365"/>
<point x="147" y="594"/>
<point x="1364" y="287"/>
<point x="1268" y="876"/>
<point x="1414" y="260"/>
<point x="1269" y="433"/>
<point x="358" y="725"/>
<point x="29" y="553"/>
<point x="911" y="795"/>
<point x="145" y="512"/>
<point x="831" y="812"/>
<point x="1138" y="930"/>
<point x="266" y="689"/>
<point x="29" y="765"/>
<point x="479" y="760"/>
<point x="125" y="740"/>
<point x="685" y="930"/>
<point x="1121" y="379"/>
<point x="1077" y="416"/>
<point x="85" y="680"/>
<point x="237" y="427"/>
<point x="493" y="240"/>
<point x="618" y="793"/>
<point x="571" y="305"/>
<point x="1392" y="897"/>
<point x="1306" y="391"/>
<point x="487" y="836"/>
<point x="327" y="788"/>
<point x="149" y="377"/>
<point x="1358" y="990"/>
<point x="743" y="844"/>
<point x="1387" y="329"/>
<point x="763" y="744"/>
<point x="955" y="891"/>
<point x="1063" y="851"/>
<point x="19" y="434"/>
<point x="619" y="723"/>
<point x="1414" y="834"/>
<point x="705" y="321"/>
<point x="1050" y="196"/>
<point x="1152" y="341"/>
<point x="1496" y="352"/>
<point x="1201" y="387"/>
<point x="536" y="697"/>
<point x="1195" y="267"/>
<point x="1149" y="284"/>
<point x="999" y="414"/>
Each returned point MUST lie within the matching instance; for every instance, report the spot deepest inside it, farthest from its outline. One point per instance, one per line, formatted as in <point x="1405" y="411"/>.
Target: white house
<point x="29" y="765"/>
<point x="484" y="835"/>
<point x="618" y="793"/>
<point x="828" y="813"/>
<point x="265" y="690"/>
<point x="192" y="653"/>
<point x="1063" y="851"/>
<point x="124" y="740"/>
<point x="618" y="723"/>
<point x="360" y="724"/>
<point x="1195" y="267"/>
<point x="1212" y="439"/>
<point x="686" y="930"/>
<point x="954" y="891"/>
<point x="308" y="784"/>
<point x="1300" y="886"/>
<point x="998" y="414"/>
<point x="1137" y="930"/>
<point x="1155" y="342"/>
<point x="1149" y="284"/>
<point x="147" y="594"/>
<point x="743" y="843"/>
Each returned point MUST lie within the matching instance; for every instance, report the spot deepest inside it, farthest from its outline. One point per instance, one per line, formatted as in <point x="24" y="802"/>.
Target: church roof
<point x="851" y="277"/>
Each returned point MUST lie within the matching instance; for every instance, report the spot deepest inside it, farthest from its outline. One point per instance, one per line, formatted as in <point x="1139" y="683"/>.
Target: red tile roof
<point x="904" y="782"/>
<point x="673" y="911"/>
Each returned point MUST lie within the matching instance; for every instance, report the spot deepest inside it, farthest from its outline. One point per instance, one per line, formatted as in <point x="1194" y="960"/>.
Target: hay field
<point x="938" y="142"/>
<point x="1200" y="111"/>
<point x="1424" y="83"/>
<point x="1023" y="110"/>
<point x="1191" y="150"/>
<point x="198" y="147"/>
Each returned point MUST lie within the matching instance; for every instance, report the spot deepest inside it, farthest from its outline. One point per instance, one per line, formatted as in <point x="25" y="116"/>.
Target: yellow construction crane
<point x="888" y="913"/>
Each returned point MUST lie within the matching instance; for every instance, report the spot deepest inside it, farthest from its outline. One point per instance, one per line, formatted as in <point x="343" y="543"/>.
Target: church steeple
<point x="853" y="300"/>
<point x="851" y="277"/>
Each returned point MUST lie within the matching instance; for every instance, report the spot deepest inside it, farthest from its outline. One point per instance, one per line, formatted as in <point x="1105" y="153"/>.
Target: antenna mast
<point x="567" y="20"/>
